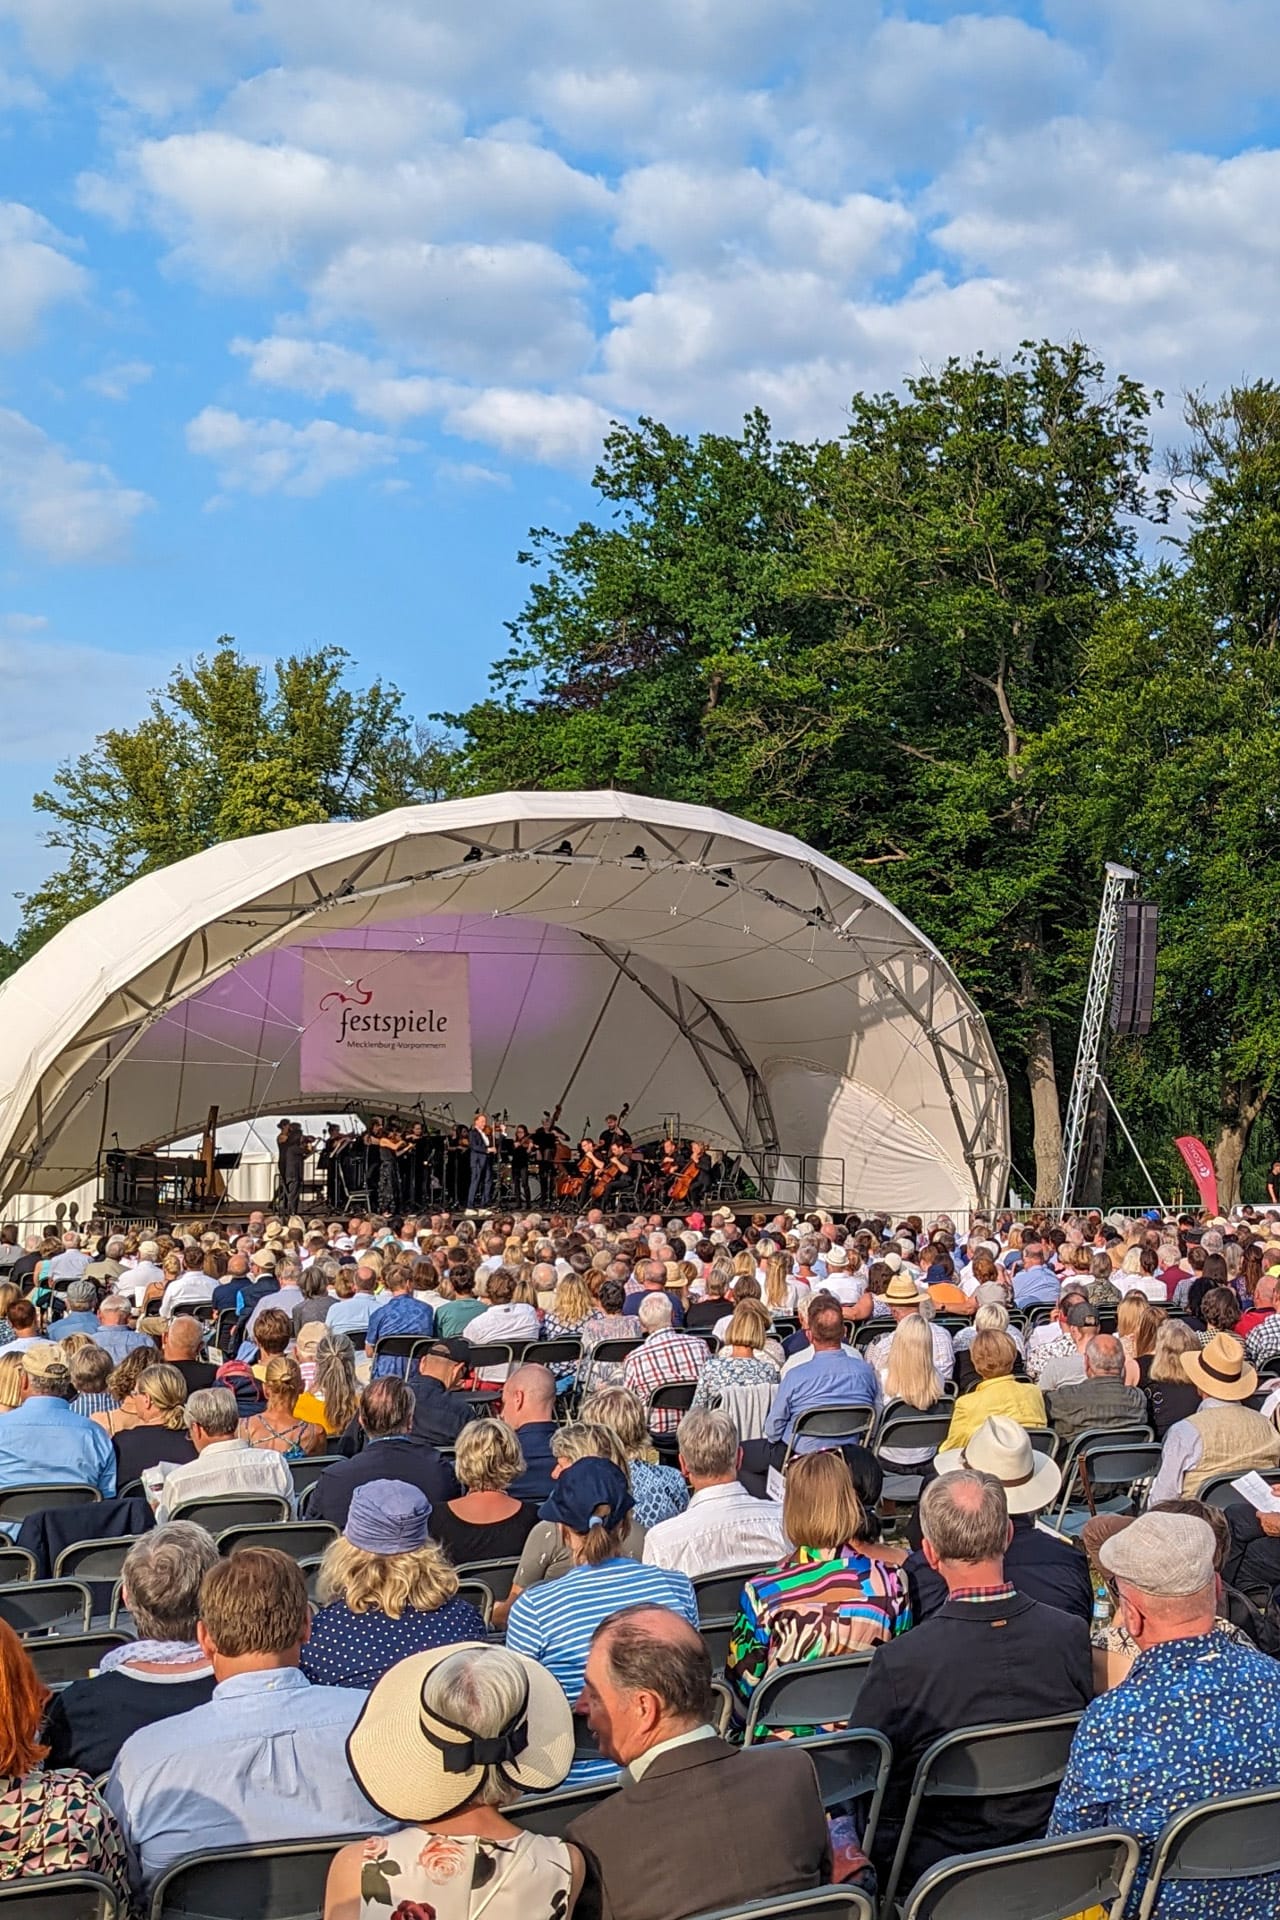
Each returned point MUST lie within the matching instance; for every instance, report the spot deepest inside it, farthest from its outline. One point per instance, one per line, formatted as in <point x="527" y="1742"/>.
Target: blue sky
<point x="308" y="311"/>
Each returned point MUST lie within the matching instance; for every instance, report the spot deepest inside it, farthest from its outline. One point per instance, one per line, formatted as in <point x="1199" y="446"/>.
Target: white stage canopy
<point x="705" y="970"/>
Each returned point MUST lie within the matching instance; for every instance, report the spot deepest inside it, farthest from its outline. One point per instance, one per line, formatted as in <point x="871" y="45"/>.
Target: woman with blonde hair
<point x="659" y="1491"/>
<point x="741" y="1361"/>
<point x="121" y="1383"/>
<point x="332" y="1397"/>
<point x="836" y="1592"/>
<point x="1137" y="1325"/>
<point x="385" y="1591"/>
<point x="8" y="1294"/>
<point x="544" y="1555"/>
<point x="1171" y="1396"/>
<point x="11" y="1379"/>
<point x="486" y="1522"/>
<point x="994" y="1358"/>
<point x="909" y="1371"/>
<point x="157" y="1402"/>
<point x="571" y="1307"/>
<point x="278" y="1429"/>
<point x="780" y="1291"/>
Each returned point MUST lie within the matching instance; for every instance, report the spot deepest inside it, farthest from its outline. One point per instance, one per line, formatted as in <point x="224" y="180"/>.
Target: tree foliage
<point x="228" y="748"/>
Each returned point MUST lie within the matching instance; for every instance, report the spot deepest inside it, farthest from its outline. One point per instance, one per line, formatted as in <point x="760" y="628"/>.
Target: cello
<point x="683" y="1184"/>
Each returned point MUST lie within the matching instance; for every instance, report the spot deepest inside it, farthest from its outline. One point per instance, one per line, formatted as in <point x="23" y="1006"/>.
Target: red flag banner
<point x="1200" y="1166"/>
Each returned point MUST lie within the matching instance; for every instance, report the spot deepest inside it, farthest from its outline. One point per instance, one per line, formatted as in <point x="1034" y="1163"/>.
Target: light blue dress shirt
<point x="75" y="1323"/>
<point x="44" y="1444"/>
<point x="831" y="1379"/>
<point x="1037" y="1286"/>
<point x="265" y="1759"/>
<point x="117" y="1341"/>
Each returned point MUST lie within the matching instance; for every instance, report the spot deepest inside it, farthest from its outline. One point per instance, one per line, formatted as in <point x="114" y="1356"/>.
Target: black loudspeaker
<point x="1133" y="981"/>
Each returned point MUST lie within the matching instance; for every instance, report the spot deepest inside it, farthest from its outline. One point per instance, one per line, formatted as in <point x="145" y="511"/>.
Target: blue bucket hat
<point x="583" y="1487"/>
<point x="387" y="1516"/>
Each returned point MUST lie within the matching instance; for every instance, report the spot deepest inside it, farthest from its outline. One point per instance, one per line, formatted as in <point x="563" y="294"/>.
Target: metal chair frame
<point x="975" y="1885"/>
<point x="763" y="1715"/>
<point x="1185" y="1848"/>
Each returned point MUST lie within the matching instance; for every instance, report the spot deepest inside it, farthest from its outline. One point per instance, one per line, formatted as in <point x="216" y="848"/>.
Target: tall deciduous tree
<point x="228" y="748"/>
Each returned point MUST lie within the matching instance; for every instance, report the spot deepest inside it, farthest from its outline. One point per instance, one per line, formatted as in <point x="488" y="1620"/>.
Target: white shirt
<point x="225" y="1466"/>
<point x="516" y="1320"/>
<point x="805" y="1354"/>
<point x="643" y="1761"/>
<point x="848" y="1288"/>
<point x="135" y="1280"/>
<point x="188" y="1290"/>
<point x="721" y="1527"/>
<point x="1142" y="1283"/>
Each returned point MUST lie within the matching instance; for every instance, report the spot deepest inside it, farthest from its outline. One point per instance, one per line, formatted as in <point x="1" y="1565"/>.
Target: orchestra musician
<point x="483" y="1145"/>
<point x="327" y="1162"/>
<point x="617" y="1168"/>
<point x="292" y="1148"/>
<point x="521" y="1150"/>
<point x="614" y="1131"/>
<point x="690" y="1184"/>
<point x="549" y="1142"/>
<point x="457" y="1167"/>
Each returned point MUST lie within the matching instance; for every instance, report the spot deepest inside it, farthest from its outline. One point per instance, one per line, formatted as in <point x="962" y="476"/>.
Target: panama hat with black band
<point x="1220" y="1370"/>
<point x="414" y="1764"/>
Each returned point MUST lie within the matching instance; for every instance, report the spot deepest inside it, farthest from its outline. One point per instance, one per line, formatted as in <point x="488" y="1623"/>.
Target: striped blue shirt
<point x="554" y="1621"/>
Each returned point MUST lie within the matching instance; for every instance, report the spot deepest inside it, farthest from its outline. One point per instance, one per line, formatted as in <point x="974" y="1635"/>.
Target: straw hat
<point x="902" y="1291"/>
<point x="1220" y="1370"/>
<point x="414" y="1765"/>
<point x="1003" y="1449"/>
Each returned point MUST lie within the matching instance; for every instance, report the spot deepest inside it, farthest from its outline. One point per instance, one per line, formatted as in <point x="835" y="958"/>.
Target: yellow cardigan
<point x="1016" y="1398"/>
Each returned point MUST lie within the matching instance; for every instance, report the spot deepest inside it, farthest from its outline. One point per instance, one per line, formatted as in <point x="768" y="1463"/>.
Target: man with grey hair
<point x="224" y="1463"/>
<point x="109" y="1265"/>
<point x="81" y="1315"/>
<point x="145" y="1272"/>
<point x="70" y="1263"/>
<point x="990" y="1654"/>
<point x="1101" y="1399"/>
<point x="1196" y="1718"/>
<point x="723" y="1525"/>
<point x="667" y="1358"/>
<point x="163" y="1672"/>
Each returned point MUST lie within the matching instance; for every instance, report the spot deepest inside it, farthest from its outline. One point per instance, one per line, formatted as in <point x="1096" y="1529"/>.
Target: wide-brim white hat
<point x="414" y="1765"/>
<point x="1003" y="1449"/>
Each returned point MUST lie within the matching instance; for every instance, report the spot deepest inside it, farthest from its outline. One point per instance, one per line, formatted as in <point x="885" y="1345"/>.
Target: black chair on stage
<point x="1042" y="1880"/>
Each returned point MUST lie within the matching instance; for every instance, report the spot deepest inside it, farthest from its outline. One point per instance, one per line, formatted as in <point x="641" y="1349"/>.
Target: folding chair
<point x="609" y="1353"/>
<point x="978" y="1762"/>
<point x="223" y="1510"/>
<point x="479" y="1596"/>
<point x="62" y="1657"/>
<point x="852" y="1764"/>
<point x="488" y="1358"/>
<point x="715" y="1636"/>
<point x="402" y="1346"/>
<point x="552" y="1353"/>
<point x="282" y="1881"/>
<point x="551" y="1813"/>
<point x="718" y="1594"/>
<point x="1041" y="1880"/>
<point x="300" y="1539"/>
<point x="1231" y="1838"/>
<point x="496" y="1575"/>
<point x="818" y="1903"/>
<point x="1043" y="1440"/>
<point x="1126" y="1466"/>
<point x="675" y="1397"/>
<point x="16" y="1564"/>
<point x="94" y="1559"/>
<point x="1220" y="1492"/>
<point x="807" y="1693"/>
<point x="305" y="1473"/>
<point x="18" y="1502"/>
<point x="836" y="1424"/>
<point x="47" y="1606"/>
<point x="59" y="1896"/>
<point x="900" y="1426"/>
<point x="869" y="1331"/>
<point x="1094" y="1436"/>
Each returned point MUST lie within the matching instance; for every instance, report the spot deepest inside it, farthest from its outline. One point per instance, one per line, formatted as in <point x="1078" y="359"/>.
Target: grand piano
<point x="147" y="1183"/>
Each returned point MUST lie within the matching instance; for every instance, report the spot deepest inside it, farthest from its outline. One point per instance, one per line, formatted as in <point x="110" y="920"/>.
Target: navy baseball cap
<point x="583" y="1487"/>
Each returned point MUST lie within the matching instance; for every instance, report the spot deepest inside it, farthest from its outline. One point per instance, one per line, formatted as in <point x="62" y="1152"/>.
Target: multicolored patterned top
<point x="813" y="1605"/>
<point x="58" y="1822"/>
<point x="1195" y="1719"/>
<point x="420" y="1875"/>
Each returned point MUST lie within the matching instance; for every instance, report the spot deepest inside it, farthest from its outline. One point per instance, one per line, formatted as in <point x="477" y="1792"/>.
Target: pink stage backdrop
<point x="379" y="1022"/>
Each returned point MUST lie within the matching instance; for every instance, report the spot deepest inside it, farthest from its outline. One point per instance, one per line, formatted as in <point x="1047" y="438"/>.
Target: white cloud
<point x="155" y="53"/>
<point x="23" y="623"/>
<point x="35" y="273"/>
<point x="343" y="115"/>
<point x="319" y="368"/>
<point x="272" y="456"/>
<point x="698" y="216"/>
<point x="117" y="381"/>
<point x="111" y="690"/>
<point x="560" y="429"/>
<point x="63" y="510"/>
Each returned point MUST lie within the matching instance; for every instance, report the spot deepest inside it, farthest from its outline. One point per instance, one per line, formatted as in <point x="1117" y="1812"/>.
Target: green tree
<point x="856" y="641"/>
<point x="228" y="748"/>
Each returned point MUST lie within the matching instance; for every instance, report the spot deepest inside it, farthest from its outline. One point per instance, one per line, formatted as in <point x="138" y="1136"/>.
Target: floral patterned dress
<point x="58" y="1822"/>
<point x="420" y="1875"/>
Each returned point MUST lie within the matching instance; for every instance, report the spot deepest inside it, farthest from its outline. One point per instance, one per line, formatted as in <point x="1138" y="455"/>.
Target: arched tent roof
<point x="621" y="948"/>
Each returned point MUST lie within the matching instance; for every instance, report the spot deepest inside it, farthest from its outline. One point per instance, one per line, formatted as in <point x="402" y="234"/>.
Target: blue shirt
<point x="832" y="1378"/>
<point x="117" y="1341"/>
<point x="554" y="1621"/>
<point x="1194" y="1720"/>
<point x="76" y="1323"/>
<point x="264" y="1760"/>
<point x="633" y="1301"/>
<point x="355" y="1649"/>
<point x="351" y="1316"/>
<point x="1036" y="1287"/>
<point x="402" y="1314"/>
<point x="44" y="1444"/>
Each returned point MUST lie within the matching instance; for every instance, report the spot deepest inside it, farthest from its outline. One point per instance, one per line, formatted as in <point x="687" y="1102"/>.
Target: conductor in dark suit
<point x="480" y="1189"/>
<point x="696" y="1823"/>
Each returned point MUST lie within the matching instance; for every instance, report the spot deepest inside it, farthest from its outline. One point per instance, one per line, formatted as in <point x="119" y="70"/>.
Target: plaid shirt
<point x="663" y="1360"/>
<point x="1004" y="1592"/>
<point x="1264" y="1342"/>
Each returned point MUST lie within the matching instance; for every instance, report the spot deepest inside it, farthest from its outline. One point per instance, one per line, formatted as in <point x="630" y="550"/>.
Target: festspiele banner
<point x="379" y="1022"/>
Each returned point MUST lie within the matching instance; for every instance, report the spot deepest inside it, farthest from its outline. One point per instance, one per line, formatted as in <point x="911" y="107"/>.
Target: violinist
<point x="457" y="1167"/>
<point x="549" y="1141"/>
<point x="521" y="1150"/>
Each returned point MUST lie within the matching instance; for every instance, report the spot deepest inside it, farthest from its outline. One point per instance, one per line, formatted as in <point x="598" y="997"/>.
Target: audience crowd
<point x="471" y="1568"/>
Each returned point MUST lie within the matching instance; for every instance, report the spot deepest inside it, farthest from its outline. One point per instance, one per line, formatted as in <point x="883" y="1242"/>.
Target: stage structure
<point x="581" y="949"/>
